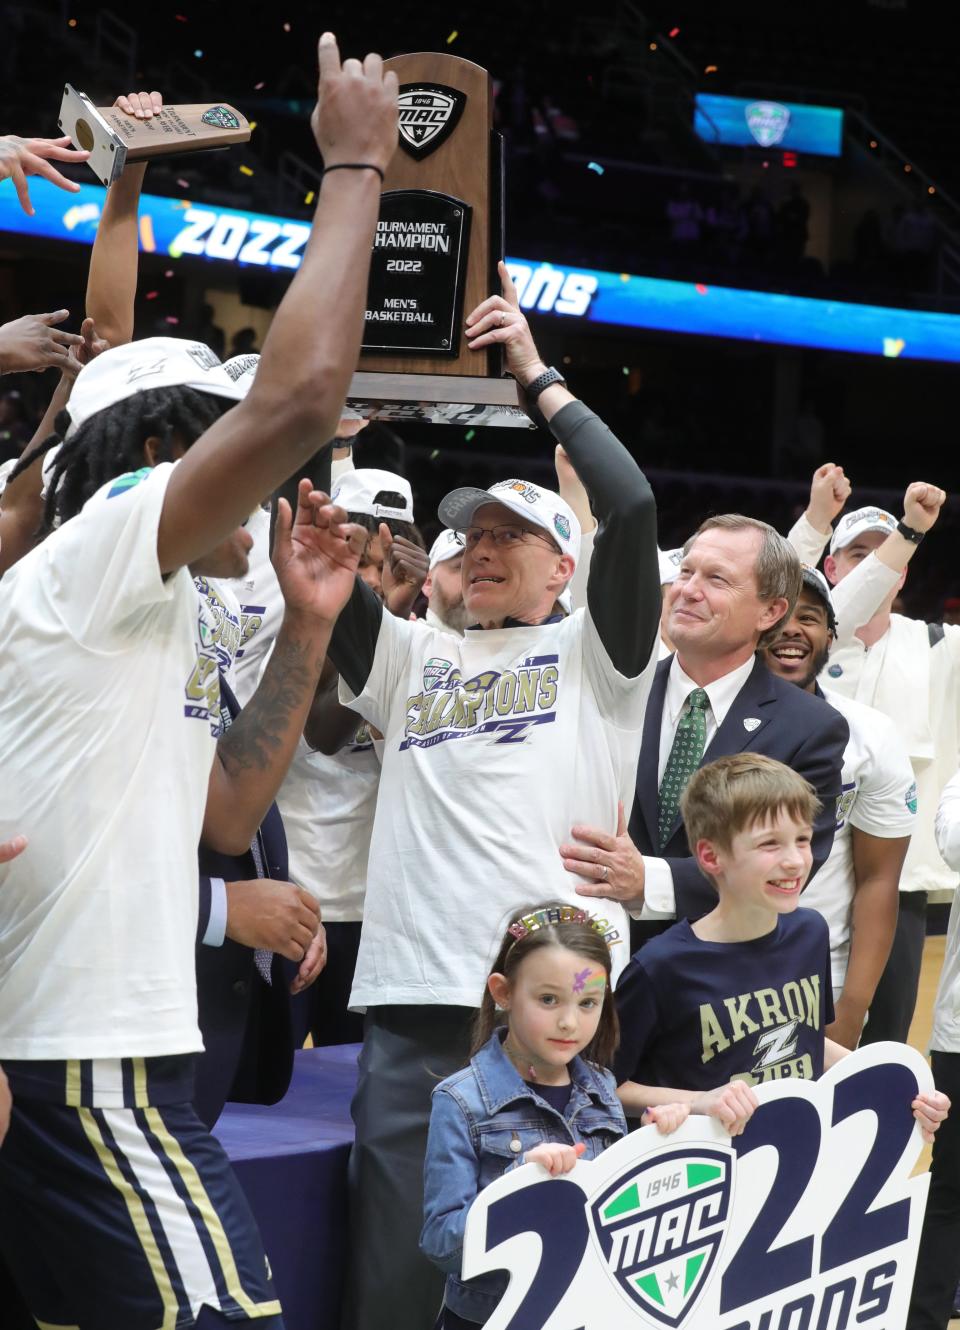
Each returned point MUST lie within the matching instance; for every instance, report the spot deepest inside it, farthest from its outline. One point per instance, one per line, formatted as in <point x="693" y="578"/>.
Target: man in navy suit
<point x="738" y="581"/>
<point x="259" y="946"/>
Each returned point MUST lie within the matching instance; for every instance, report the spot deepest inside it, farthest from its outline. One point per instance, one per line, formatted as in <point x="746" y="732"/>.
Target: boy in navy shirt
<point x="741" y="996"/>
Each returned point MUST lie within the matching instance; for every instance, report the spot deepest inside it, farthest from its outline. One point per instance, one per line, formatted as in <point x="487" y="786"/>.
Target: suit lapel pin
<point x="751" y="723"/>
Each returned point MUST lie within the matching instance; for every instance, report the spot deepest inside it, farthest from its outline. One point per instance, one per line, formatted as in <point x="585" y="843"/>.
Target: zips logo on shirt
<point x="504" y="705"/>
<point x="218" y="636"/>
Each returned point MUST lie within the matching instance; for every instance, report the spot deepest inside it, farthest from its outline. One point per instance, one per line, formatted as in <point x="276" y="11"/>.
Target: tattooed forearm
<point x="267" y="729"/>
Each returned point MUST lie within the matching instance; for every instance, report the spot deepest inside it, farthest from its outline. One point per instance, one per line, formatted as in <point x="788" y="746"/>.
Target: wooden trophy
<point x="439" y="237"/>
<point x="113" y="138"/>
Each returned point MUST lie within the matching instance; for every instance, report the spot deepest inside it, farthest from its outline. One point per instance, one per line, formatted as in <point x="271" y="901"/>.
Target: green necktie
<point x="685" y="756"/>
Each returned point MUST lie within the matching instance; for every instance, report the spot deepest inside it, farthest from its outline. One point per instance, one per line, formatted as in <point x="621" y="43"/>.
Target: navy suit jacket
<point x="797" y="728"/>
<point x="246" y="1024"/>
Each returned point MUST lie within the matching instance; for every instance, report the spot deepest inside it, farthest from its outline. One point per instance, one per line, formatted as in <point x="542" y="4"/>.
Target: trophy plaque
<point x="114" y="138"/>
<point x="438" y="239"/>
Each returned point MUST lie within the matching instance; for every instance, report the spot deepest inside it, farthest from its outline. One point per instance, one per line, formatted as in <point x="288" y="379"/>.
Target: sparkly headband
<point x="560" y="914"/>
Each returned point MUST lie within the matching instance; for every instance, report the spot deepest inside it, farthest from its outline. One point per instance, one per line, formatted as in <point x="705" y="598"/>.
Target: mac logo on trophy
<point x="428" y="114"/>
<point x="439" y="235"/>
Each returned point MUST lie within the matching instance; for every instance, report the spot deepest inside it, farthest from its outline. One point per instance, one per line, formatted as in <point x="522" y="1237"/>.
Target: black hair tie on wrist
<point x="354" y="166"/>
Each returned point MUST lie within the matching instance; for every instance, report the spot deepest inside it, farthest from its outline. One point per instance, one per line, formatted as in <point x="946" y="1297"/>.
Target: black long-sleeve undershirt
<point x="623" y="587"/>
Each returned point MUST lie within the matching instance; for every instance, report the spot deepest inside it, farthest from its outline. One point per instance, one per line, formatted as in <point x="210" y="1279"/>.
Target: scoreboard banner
<point x="181" y="229"/>
<point x="810" y="1220"/>
<point x="756" y="122"/>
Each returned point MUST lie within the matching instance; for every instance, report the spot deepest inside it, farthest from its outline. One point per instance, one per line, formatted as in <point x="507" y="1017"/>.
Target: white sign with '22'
<point x="809" y="1220"/>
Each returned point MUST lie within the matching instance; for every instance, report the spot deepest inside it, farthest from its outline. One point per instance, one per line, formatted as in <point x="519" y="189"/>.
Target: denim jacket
<point x="482" y="1121"/>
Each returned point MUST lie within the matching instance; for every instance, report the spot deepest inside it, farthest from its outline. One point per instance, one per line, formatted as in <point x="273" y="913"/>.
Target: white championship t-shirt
<point x="109" y="706"/>
<point x="261" y="608"/>
<point x="496" y="744"/>
<point x="879" y="796"/>
<point x="327" y="804"/>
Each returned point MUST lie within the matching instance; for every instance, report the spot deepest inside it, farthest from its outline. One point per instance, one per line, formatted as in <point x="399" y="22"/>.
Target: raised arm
<point x="314" y="342"/>
<point x="829" y="491"/>
<point x="112" y="278"/>
<point x="859" y="595"/>
<point x="316" y="557"/>
<point x="623" y="588"/>
<point x="21" y="505"/>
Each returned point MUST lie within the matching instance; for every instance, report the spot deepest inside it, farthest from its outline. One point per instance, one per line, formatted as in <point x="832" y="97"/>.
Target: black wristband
<point x="908" y="533"/>
<point x="354" y="166"/>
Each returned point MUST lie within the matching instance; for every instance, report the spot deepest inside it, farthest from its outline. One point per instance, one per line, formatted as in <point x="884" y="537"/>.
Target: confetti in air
<point x="595" y="166"/>
<point x="310" y="197"/>
<point x="245" y="170"/>
<point x="469" y="434"/>
<point x="453" y="36"/>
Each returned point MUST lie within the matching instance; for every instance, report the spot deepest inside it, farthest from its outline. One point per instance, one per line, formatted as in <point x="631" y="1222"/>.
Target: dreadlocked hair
<point x="110" y="444"/>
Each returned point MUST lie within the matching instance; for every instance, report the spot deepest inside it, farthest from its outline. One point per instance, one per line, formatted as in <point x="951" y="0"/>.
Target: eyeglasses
<point x="504" y="537"/>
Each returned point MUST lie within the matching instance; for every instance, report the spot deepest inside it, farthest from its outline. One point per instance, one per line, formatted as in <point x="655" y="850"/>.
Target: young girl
<point x="527" y="1095"/>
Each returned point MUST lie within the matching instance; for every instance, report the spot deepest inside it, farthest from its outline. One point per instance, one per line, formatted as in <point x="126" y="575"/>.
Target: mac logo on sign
<point x="767" y="122"/>
<point x="429" y="113"/>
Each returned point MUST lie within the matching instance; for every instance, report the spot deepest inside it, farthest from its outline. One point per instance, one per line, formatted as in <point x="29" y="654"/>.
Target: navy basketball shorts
<point x="127" y="1219"/>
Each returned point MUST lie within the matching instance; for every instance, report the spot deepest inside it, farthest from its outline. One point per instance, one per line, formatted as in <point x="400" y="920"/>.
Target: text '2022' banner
<point x="809" y="1220"/>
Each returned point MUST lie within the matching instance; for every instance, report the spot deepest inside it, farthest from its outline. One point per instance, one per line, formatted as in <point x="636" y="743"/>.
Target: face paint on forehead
<point x="589" y="978"/>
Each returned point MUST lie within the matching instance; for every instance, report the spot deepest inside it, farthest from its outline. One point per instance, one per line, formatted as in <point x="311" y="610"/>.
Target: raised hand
<point x="34" y="342"/>
<point x="829" y="491"/>
<point x="316" y="554"/>
<point x="921" y="505"/>
<point x="555" y="1159"/>
<point x="499" y="319"/>
<point x="22" y="157"/>
<point x="355" y="118"/>
<point x="89" y="347"/>
<point x="143" y="105"/>
<point x="405" y="568"/>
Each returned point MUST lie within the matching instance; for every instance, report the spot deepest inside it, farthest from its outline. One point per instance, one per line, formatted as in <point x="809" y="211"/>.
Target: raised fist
<point x="921" y="505"/>
<point x="829" y="491"/>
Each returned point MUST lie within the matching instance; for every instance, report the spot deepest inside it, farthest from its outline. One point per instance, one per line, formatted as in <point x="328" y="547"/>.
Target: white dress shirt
<point x="659" y="898"/>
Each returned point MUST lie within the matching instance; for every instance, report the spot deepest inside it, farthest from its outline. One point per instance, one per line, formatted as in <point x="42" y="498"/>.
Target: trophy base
<point x="437" y="399"/>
